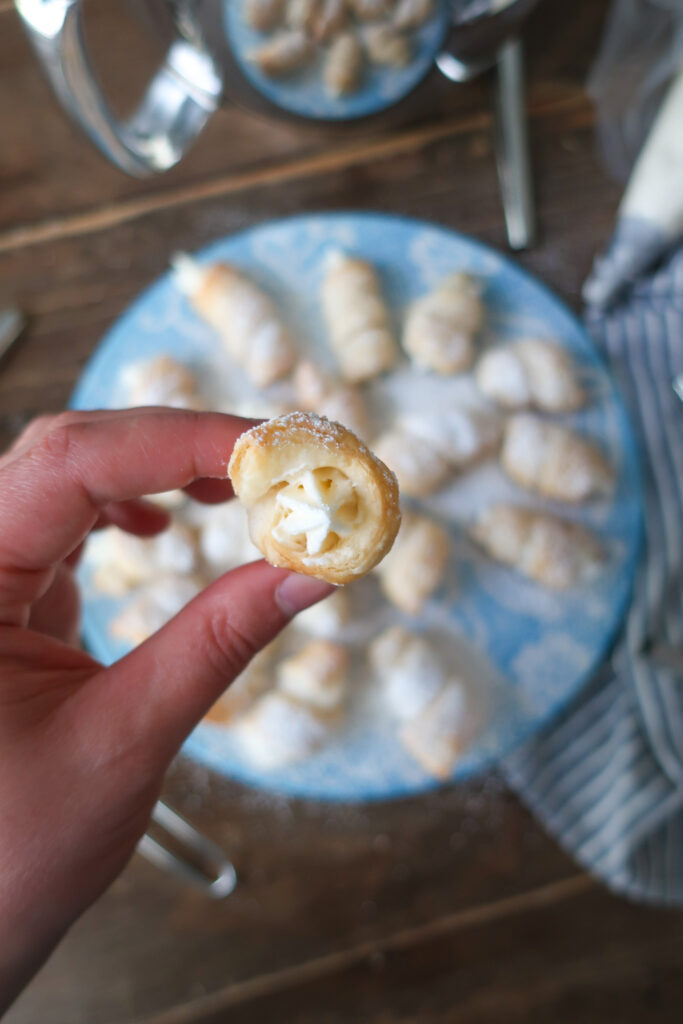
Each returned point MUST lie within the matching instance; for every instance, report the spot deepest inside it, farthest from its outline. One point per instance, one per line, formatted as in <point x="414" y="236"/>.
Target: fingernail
<point x="297" y="592"/>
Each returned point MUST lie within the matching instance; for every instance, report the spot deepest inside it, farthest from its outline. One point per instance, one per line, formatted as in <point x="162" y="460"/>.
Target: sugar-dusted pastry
<point x="161" y="380"/>
<point x="441" y="327"/>
<point x="437" y="736"/>
<point x="318" y="392"/>
<point x="357" y="318"/>
<point x="262" y="15"/>
<point x="301" y="13"/>
<point x="121" y="562"/>
<point x="387" y="45"/>
<point x="371" y="10"/>
<point x="531" y="372"/>
<point x="319" y="501"/>
<point x="224" y="537"/>
<point x="326" y="618"/>
<point x="277" y="730"/>
<point x="343" y="65"/>
<point x="412" y="13"/>
<point x="242" y="314"/>
<point x="425" y="451"/>
<point x="552" y="551"/>
<point x="284" y="53"/>
<point x="331" y="17"/>
<point x="316" y="675"/>
<point x="553" y="460"/>
<point x="153" y="606"/>
<point x="414" y="567"/>
<point x="409" y="670"/>
<point x="257" y="677"/>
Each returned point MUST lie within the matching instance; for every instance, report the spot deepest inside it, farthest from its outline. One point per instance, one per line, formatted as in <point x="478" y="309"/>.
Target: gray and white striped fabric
<point x="607" y="780"/>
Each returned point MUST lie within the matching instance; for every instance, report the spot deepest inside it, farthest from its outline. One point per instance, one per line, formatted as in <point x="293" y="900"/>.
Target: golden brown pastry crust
<point x="302" y="467"/>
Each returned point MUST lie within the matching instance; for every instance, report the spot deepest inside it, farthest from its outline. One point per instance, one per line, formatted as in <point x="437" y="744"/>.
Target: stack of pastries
<point x="318" y="487"/>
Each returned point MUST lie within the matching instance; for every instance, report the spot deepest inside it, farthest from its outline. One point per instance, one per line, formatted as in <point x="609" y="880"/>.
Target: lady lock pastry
<point x="441" y="327"/>
<point x="319" y="502"/>
<point x="415" y="566"/>
<point x="531" y="373"/>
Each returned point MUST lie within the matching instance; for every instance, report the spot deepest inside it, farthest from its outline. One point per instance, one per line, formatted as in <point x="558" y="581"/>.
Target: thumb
<point x="156" y="694"/>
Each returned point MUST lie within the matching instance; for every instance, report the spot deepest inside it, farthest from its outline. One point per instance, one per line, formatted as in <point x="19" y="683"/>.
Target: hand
<point x="83" y="749"/>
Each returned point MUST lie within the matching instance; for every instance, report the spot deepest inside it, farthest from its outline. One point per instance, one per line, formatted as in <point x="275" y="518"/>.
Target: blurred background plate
<point x="529" y="651"/>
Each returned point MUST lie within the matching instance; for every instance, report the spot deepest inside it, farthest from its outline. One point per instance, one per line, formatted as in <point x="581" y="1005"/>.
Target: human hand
<point x="83" y="749"/>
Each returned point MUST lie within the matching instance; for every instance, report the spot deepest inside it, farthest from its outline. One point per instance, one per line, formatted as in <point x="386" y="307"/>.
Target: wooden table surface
<point x="453" y="906"/>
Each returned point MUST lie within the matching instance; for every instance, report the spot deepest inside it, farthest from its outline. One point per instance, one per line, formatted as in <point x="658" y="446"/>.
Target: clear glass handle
<point x="178" y="102"/>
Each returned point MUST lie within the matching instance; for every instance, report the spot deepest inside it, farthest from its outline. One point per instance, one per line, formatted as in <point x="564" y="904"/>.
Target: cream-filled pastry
<point x="343" y="65"/>
<point x="357" y="318"/>
<point x="371" y="10"/>
<point x="284" y="53"/>
<point x="301" y="13"/>
<point x="319" y="502"/>
<point x="337" y="401"/>
<point x="120" y="562"/>
<point x="277" y="730"/>
<point x="441" y="327"/>
<point x="531" y="372"/>
<point x="424" y="451"/>
<point x="263" y="15"/>
<point x="552" y="551"/>
<point x="415" y="566"/>
<point x="161" y="380"/>
<point x="412" y="13"/>
<point x="409" y="670"/>
<point x="326" y="618"/>
<point x="437" y="736"/>
<point x="257" y="677"/>
<point x="387" y="46"/>
<point x="242" y="314"/>
<point x="316" y="675"/>
<point x="553" y="460"/>
<point x="330" y="18"/>
<point x="153" y="606"/>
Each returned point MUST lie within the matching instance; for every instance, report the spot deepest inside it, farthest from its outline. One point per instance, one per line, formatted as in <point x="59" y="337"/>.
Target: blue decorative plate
<point x="525" y="651"/>
<point x="304" y="93"/>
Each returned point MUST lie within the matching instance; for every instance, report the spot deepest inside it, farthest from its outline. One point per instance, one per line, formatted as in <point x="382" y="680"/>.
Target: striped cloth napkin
<point x="607" y="780"/>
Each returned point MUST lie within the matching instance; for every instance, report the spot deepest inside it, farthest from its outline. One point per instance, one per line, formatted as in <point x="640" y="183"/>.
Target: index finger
<point x="51" y="491"/>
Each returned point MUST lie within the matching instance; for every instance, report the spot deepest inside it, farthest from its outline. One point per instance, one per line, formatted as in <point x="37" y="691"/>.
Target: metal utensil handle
<point x="218" y="878"/>
<point x="177" y="104"/>
<point x="512" y="146"/>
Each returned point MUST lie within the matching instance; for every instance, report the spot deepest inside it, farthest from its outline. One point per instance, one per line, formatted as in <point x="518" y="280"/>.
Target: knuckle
<point x="229" y="648"/>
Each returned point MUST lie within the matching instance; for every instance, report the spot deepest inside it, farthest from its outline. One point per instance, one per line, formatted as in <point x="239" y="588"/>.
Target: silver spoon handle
<point x="512" y="146"/>
<point x="194" y="857"/>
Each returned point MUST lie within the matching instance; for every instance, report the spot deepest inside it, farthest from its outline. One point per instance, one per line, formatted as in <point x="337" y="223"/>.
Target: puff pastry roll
<point x="319" y="502"/>
<point x="277" y="730"/>
<point x="552" y="551"/>
<point x="437" y="736"/>
<point x="343" y="65"/>
<point x="387" y="46"/>
<point x="357" y="318"/>
<point x="340" y="402"/>
<point x="413" y="13"/>
<point x="553" y="460"/>
<point x="371" y="10"/>
<point x="531" y="372"/>
<point x="284" y="53"/>
<point x="301" y="13"/>
<point x="257" y="677"/>
<point x="242" y="314"/>
<point x="160" y="381"/>
<point x="120" y="562"/>
<point x="409" y="670"/>
<point x="441" y="327"/>
<point x="326" y="618"/>
<point x="415" y="566"/>
<point x="331" y="17"/>
<point x="425" y="451"/>
<point x="316" y="675"/>
<point x="262" y="15"/>
<point x="153" y="606"/>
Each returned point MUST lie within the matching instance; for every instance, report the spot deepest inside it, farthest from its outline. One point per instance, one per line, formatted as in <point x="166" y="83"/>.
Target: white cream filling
<point x="309" y="512"/>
